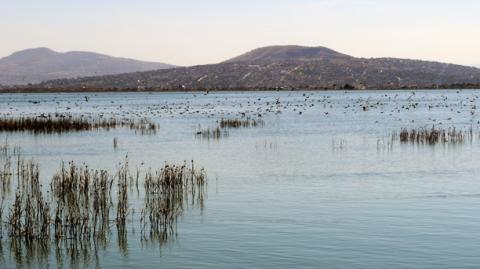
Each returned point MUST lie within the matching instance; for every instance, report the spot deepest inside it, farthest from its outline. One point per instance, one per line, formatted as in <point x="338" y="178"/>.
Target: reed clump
<point x="79" y="206"/>
<point x="221" y="131"/>
<point x="143" y="126"/>
<point x="63" y="124"/>
<point x="38" y="125"/>
<point x="83" y="202"/>
<point x="6" y="175"/>
<point x="434" y="136"/>
<point x="214" y="134"/>
<point x="240" y="123"/>
<point x="29" y="216"/>
<point x="122" y="196"/>
<point x="4" y="149"/>
<point x="167" y="192"/>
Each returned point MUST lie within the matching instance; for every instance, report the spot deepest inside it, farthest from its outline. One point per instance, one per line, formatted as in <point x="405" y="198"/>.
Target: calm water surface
<point x="319" y="186"/>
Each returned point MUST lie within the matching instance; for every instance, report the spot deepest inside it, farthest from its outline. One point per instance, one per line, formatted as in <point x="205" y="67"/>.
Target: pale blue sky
<point x="188" y="32"/>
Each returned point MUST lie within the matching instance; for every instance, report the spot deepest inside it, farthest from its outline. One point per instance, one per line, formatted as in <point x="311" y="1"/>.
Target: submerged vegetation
<point x="64" y="124"/>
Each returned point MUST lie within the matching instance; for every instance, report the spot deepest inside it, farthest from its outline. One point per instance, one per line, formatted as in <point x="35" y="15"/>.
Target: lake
<point x="323" y="183"/>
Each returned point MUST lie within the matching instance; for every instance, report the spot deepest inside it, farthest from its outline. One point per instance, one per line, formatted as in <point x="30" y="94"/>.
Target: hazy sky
<point x="188" y="32"/>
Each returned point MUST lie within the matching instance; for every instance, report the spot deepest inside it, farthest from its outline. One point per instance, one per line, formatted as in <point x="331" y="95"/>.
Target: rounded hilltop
<point x="287" y="53"/>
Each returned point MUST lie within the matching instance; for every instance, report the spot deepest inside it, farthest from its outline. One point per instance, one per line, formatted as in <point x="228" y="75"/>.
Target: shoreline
<point x="203" y="90"/>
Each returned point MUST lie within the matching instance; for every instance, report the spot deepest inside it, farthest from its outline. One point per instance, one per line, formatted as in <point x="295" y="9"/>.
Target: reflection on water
<point x="65" y="253"/>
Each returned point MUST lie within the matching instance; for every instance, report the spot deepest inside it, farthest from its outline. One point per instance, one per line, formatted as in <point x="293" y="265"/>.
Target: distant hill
<point x="40" y="64"/>
<point x="286" y="54"/>
<point x="288" y="67"/>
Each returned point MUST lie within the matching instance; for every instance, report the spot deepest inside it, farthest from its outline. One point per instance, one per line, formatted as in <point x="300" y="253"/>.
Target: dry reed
<point x="240" y="123"/>
<point x="214" y="134"/>
<point x="167" y="191"/>
<point x="434" y="136"/>
<point x="49" y="125"/>
<point x="79" y="205"/>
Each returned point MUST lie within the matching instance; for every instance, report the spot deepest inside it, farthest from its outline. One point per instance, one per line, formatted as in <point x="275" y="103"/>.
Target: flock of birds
<point x="385" y="105"/>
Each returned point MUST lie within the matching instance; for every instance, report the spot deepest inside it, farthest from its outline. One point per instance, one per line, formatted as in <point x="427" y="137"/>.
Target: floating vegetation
<point x="214" y="134"/>
<point x="63" y="124"/>
<point x="434" y="136"/>
<point x="240" y="123"/>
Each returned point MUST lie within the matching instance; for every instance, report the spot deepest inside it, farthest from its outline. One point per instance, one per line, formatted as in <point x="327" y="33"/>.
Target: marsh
<point x="319" y="183"/>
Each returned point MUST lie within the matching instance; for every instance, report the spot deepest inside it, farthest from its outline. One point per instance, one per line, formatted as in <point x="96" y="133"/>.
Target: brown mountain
<point x="289" y="67"/>
<point x="41" y="64"/>
<point x="286" y="53"/>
